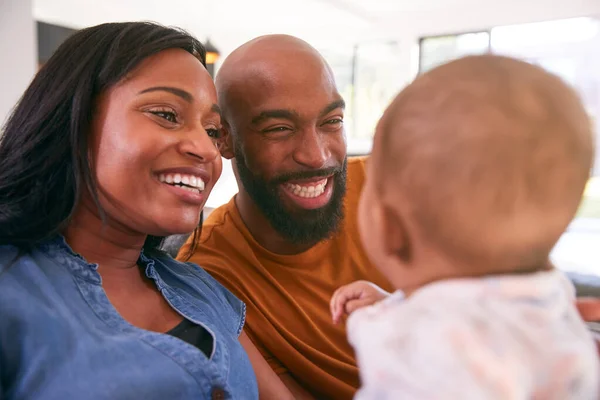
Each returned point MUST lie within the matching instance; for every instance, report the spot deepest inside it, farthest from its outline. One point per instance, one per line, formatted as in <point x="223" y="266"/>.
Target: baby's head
<point x="477" y="168"/>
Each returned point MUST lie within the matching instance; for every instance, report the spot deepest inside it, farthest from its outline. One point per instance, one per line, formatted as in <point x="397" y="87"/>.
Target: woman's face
<point x="153" y="149"/>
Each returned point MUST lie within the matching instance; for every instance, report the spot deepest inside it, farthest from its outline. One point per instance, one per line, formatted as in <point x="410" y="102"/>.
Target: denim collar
<point x="59" y="250"/>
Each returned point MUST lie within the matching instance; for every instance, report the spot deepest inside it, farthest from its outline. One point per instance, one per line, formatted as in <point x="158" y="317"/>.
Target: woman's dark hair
<point x="44" y="163"/>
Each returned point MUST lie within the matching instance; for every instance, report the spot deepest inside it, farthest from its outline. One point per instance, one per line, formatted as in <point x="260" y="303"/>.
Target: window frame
<point x="455" y="34"/>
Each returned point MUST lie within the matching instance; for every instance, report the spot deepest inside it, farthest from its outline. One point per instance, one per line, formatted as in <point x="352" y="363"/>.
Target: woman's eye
<point x="214" y="133"/>
<point x="165" y="114"/>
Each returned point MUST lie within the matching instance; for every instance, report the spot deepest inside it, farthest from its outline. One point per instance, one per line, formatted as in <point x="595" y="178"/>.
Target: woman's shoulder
<point x="191" y="274"/>
<point x="7" y="251"/>
<point x="27" y="291"/>
<point x="181" y="269"/>
<point x="32" y="255"/>
<point x="31" y="273"/>
<point x="12" y="256"/>
<point x="25" y="272"/>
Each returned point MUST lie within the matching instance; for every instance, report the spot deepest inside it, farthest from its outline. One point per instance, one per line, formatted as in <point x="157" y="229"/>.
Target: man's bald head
<point x="490" y="156"/>
<point x="263" y="63"/>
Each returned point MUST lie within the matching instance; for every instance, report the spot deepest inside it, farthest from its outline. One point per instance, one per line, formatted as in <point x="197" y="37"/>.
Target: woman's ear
<point x="225" y="142"/>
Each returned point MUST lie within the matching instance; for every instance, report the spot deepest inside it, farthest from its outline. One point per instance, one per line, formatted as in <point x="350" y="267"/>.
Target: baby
<point x="477" y="169"/>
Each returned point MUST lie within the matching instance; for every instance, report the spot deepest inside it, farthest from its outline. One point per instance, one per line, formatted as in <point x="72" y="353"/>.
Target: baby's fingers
<point x="355" y="304"/>
<point x="342" y="296"/>
<point x="336" y="305"/>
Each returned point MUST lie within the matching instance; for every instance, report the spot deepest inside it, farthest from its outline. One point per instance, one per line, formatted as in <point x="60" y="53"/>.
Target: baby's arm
<point x="353" y="296"/>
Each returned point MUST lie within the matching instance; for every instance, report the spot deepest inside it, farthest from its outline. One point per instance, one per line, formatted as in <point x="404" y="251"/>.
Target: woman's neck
<point x="116" y="250"/>
<point x="106" y="244"/>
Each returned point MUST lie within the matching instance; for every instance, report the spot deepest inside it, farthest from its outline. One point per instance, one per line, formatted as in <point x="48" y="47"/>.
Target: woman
<point x="113" y="146"/>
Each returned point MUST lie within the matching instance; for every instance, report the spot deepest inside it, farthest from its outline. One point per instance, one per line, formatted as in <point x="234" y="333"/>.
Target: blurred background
<point x="375" y="48"/>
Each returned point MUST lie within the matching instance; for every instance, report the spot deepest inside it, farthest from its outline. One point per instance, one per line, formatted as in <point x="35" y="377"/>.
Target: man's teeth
<point x="190" y="182"/>
<point x="310" y="191"/>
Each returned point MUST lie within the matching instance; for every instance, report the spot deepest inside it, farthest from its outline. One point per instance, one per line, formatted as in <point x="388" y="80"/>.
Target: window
<point x="367" y="78"/>
<point x="437" y="50"/>
<point x="568" y="48"/>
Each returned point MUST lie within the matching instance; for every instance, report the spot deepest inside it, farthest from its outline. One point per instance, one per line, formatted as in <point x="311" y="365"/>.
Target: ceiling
<point x="324" y="23"/>
<point x="323" y="20"/>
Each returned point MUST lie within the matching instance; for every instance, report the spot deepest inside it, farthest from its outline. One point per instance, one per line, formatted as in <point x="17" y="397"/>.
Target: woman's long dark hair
<point x="44" y="164"/>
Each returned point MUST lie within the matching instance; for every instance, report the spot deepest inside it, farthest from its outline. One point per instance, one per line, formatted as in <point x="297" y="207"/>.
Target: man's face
<point x="290" y="150"/>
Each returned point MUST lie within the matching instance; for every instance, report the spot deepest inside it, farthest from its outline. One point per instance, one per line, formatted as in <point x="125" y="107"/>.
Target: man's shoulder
<point x="222" y="244"/>
<point x="220" y="224"/>
<point x="357" y="165"/>
<point x="355" y="180"/>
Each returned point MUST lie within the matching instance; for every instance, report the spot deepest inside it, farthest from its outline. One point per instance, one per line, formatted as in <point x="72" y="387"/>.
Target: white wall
<point x="18" y="49"/>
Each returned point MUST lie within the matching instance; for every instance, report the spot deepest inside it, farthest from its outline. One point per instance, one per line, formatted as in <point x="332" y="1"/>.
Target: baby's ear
<point x="397" y="244"/>
<point x="225" y="142"/>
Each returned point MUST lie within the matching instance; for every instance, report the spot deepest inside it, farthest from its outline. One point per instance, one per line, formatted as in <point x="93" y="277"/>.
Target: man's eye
<point x="166" y="115"/>
<point x="334" y="121"/>
<point x="276" y="129"/>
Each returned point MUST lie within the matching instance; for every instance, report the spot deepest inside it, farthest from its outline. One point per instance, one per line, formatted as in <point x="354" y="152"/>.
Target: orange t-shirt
<point x="287" y="296"/>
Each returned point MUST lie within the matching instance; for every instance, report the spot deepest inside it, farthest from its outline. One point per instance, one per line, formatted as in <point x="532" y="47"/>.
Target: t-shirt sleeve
<point x="427" y="357"/>
<point x="273" y="362"/>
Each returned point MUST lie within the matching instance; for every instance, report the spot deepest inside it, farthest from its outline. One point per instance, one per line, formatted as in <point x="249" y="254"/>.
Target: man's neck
<point x="115" y="249"/>
<point x="262" y="230"/>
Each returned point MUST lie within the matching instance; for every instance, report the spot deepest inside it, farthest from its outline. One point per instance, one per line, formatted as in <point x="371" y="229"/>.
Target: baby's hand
<point x="353" y="296"/>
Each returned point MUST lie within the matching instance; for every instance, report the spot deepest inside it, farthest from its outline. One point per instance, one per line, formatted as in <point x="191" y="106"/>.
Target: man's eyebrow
<point x="177" y="92"/>
<point x="281" y="113"/>
<point x="330" y="107"/>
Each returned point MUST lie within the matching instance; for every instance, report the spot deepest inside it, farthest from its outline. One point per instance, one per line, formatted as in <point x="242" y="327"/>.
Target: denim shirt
<point x="60" y="337"/>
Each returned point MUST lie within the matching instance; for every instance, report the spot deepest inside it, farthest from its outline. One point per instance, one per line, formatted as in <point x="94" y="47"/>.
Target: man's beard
<point x="301" y="226"/>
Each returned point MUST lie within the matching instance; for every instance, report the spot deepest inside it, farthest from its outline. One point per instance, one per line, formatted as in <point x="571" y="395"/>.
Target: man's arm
<point x="271" y="386"/>
<point x="297" y="391"/>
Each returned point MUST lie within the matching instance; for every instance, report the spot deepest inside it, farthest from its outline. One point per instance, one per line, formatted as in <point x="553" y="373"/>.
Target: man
<point x="289" y="238"/>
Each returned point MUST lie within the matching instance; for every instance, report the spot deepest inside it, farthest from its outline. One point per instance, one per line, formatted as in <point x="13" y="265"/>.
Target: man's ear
<point x="225" y="142"/>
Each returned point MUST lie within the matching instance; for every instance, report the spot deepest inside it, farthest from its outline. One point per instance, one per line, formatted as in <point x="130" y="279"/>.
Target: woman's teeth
<point x="189" y="182"/>
<point x="315" y="189"/>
